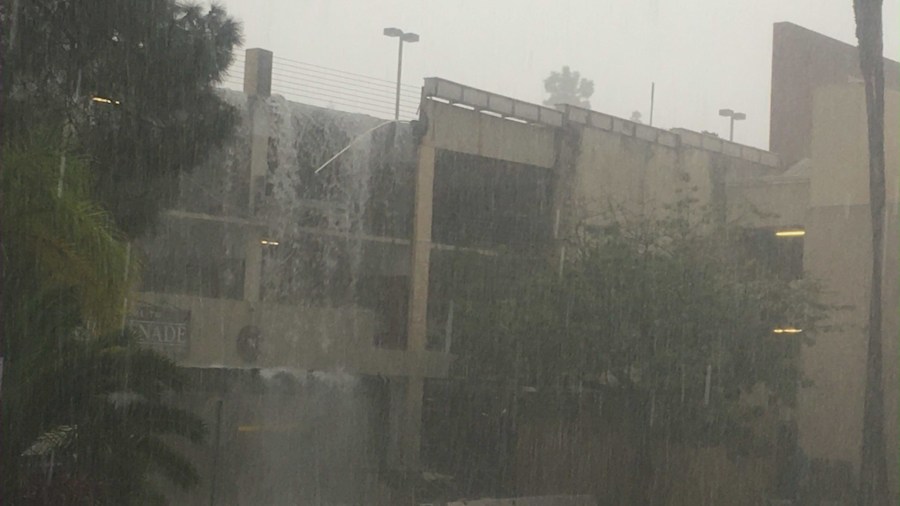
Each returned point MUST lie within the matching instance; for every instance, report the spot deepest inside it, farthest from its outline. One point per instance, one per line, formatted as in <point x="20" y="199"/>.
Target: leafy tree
<point x="873" y="488"/>
<point x="57" y="244"/>
<point x="68" y="393"/>
<point x="102" y="415"/>
<point x="660" y="312"/>
<point x="568" y="87"/>
<point x="127" y="87"/>
<point x="152" y="65"/>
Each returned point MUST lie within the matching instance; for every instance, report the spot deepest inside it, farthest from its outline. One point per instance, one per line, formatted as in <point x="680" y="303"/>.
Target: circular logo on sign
<point x="249" y="343"/>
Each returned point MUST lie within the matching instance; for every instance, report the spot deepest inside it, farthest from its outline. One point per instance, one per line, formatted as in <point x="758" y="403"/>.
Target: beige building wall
<point x="635" y="175"/>
<point x="837" y="251"/>
<point x="465" y="131"/>
<point x="775" y="201"/>
<point x="802" y="61"/>
<point x="638" y="175"/>
<point x="296" y="337"/>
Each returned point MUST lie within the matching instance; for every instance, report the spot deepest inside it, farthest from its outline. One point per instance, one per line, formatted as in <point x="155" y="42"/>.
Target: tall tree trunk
<point x="873" y="490"/>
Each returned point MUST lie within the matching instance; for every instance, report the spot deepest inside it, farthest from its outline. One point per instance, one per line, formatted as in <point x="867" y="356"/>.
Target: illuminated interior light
<point x="268" y="243"/>
<point x="104" y="100"/>
<point x="787" y="330"/>
<point x="790" y="233"/>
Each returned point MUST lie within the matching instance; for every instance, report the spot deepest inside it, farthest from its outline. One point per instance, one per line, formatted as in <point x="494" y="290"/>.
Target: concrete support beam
<point x="258" y="72"/>
<point x="259" y="153"/>
<point x="421" y="249"/>
<point x="257" y="85"/>
<point x="417" y="323"/>
<point x="252" y="269"/>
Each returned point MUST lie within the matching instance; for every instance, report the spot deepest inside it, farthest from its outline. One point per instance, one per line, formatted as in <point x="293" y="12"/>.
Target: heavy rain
<point x="421" y="253"/>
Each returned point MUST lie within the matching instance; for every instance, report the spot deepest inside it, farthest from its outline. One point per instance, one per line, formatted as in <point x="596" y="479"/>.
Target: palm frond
<point x="172" y="465"/>
<point x="64" y="239"/>
<point x="158" y="418"/>
<point x="53" y="440"/>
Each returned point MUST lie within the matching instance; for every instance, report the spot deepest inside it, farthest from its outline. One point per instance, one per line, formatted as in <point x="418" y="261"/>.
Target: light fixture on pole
<point x="404" y="37"/>
<point x="735" y="116"/>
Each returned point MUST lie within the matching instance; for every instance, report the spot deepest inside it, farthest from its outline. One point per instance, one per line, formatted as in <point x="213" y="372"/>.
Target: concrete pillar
<point x="259" y="154"/>
<point x="258" y="86"/>
<point x="417" y="323"/>
<point x="258" y="72"/>
<point x="421" y="246"/>
<point x="252" y="267"/>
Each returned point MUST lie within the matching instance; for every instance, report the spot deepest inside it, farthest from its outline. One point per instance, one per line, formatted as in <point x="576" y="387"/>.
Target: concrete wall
<point x="467" y="131"/>
<point x="262" y="185"/>
<point x="840" y="148"/>
<point x="838" y="251"/>
<point x="803" y="60"/>
<point x="588" y="457"/>
<point x="327" y="234"/>
<point x="292" y="337"/>
<point x="769" y="202"/>
<point x="640" y="175"/>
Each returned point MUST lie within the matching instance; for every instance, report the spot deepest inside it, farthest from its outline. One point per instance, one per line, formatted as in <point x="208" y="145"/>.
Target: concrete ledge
<point x="528" y="112"/>
<point x="517" y="110"/>
<point x="770" y="159"/>
<point x="645" y="132"/>
<point x="601" y="121"/>
<point x="750" y="154"/>
<point x="481" y="100"/>
<point x="550" y="117"/>
<point x="622" y="126"/>
<point x="667" y="139"/>
<point x="502" y="105"/>
<point x="689" y="138"/>
<point x="712" y="143"/>
<point x="476" y="98"/>
<point x="558" y="500"/>
<point x="577" y="115"/>
<point x="447" y="90"/>
<point x="731" y="149"/>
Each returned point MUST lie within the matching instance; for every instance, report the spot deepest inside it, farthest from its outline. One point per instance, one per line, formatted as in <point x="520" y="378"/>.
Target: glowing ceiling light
<point x="268" y="243"/>
<point x="787" y="330"/>
<point x="790" y="233"/>
<point x="104" y="100"/>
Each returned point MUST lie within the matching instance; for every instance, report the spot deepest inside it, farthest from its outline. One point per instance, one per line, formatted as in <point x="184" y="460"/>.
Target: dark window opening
<point x="782" y="256"/>
<point x="195" y="257"/>
<point x="388" y="297"/>
<point x="484" y="202"/>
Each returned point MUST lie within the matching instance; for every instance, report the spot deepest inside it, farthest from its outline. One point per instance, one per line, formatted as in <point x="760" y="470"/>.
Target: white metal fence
<point x="332" y="88"/>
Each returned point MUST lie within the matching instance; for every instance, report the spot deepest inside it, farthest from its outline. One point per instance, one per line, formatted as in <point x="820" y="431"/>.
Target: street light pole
<point x="404" y="37"/>
<point x="735" y="116"/>
<point x="399" y="73"/>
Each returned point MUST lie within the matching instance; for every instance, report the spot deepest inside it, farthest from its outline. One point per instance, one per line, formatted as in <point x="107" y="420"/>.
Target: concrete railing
<point x="484" y="101"/>
<point x="672" y="138"/>
<point x="711" y="143"/>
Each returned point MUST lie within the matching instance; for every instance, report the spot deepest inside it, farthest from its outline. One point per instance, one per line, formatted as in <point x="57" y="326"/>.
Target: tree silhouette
<point x="153" y="64"/>
<point x="873" y="471"/>
<point x="568" y="87"/>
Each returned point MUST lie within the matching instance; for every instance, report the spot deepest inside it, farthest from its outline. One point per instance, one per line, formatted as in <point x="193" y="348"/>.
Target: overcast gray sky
<point x="702" y="54"/>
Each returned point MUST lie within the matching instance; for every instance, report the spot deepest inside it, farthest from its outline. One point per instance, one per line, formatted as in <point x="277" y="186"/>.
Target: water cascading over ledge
<point x="333" y="285"/>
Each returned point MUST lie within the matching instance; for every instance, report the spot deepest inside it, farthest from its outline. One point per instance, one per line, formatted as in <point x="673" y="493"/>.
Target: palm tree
<point x="68" y="391"/>
<point x="54" y="238"/>
<point x="103" y="416"/>
<point x="873" y="471"/>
